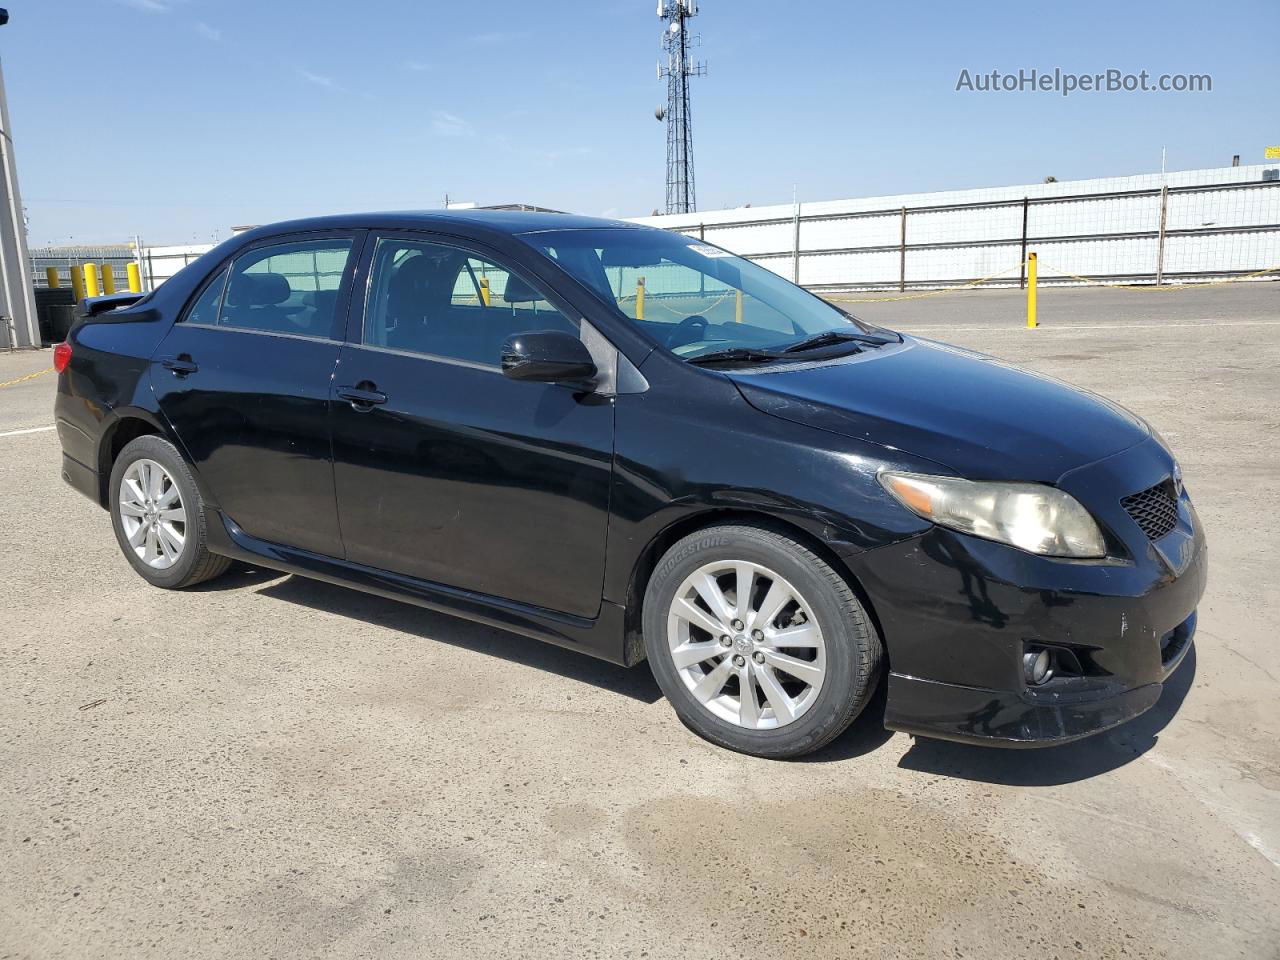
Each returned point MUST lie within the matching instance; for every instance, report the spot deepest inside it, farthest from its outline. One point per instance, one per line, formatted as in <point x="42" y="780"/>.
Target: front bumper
<point x="957" y="613"/>
<point x="1032" y="718"/>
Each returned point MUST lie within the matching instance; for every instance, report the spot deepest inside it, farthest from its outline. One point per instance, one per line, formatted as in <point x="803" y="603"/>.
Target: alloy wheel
<point x="746" y="644"/>
<point x="152" y="514"/>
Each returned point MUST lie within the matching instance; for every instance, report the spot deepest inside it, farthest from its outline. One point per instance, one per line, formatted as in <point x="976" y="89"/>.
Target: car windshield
<point x="696" y="299"/>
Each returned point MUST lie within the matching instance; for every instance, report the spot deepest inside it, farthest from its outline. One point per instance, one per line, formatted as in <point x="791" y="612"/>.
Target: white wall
<point x="1088" y="234"/>
<point x="856" y="243"/>
<point x="161" y="263"/>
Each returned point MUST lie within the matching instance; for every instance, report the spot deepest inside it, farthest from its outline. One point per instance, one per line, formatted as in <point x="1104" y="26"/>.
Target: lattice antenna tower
<point x="677" y="42"/>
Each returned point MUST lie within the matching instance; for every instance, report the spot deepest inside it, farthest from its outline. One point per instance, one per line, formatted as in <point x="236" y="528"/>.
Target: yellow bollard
<point x="51" y="276"/>
<point x="484" y="290"/>
<point x="737" y="308"/>
<point x="639" y="298"/>
<point x="1031" y="291"/>
<point x="135" y="278"/>
<point x="77" y="283"/>
<point x="108" y="278"/>
<point x="91" y="288"/>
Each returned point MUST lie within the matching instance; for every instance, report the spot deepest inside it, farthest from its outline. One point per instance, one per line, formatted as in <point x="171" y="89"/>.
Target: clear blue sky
<point x="177" y="118"/>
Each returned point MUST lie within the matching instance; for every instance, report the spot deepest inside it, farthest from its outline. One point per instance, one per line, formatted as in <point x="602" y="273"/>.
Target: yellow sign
<point x="1271" y="153"/>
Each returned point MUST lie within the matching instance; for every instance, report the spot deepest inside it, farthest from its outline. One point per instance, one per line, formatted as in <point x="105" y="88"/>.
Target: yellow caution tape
<point x="1151" y="287"/>
<point x="29" y="376"/>
<point x="927" y="293"/>
<point x="677" y="313"/>
<point x="651" y="300"/>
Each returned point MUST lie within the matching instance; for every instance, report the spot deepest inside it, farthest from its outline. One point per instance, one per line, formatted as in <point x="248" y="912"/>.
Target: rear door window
<point x="289" y="288"/>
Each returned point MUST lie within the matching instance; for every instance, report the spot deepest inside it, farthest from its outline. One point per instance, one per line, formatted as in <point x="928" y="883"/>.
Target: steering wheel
<point x="689" y="330"/>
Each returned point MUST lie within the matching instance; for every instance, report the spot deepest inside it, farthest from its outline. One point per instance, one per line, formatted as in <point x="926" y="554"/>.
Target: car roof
<point x="496" y="221"/>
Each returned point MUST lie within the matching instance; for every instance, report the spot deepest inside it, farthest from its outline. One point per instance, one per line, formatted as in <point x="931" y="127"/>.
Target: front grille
<point x="1154" y="510"/>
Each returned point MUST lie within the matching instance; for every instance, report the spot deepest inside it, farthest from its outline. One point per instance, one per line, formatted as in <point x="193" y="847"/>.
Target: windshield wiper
<point x="885" y="336"/>
<point x="829" y="338"/>
<point x="735" y="355"/>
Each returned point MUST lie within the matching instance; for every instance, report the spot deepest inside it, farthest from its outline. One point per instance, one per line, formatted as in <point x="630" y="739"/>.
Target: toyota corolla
<point x="634" y="444"/>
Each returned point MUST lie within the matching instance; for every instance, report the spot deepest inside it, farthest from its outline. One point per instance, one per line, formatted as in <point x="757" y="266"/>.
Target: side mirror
<point x="547" y="356"/>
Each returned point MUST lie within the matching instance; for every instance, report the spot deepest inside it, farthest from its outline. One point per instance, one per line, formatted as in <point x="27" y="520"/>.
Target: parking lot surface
<point x="267" y="766"/>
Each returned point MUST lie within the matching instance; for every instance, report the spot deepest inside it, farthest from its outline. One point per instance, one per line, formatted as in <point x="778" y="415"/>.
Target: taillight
<point x="61" y="356"/>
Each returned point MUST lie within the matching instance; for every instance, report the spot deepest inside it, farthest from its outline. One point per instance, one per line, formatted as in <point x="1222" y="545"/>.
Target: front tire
<point x="757" y="643"/>
<point x="158" y="516"/>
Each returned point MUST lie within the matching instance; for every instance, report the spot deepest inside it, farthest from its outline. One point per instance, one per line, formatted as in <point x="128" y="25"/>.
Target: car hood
<point x="981" y="417"/>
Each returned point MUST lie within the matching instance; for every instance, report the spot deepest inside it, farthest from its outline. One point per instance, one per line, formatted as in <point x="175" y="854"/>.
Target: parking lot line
<point x="18" y="433"/>
<point x="29" y="376"/>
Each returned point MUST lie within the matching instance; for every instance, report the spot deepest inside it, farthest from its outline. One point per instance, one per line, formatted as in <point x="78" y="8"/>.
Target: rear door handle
<point x="179" y="366"/>
<point x="363" y="397"/>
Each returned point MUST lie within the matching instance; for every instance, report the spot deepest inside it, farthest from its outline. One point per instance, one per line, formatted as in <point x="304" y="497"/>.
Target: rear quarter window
<point x="205" y="309"/>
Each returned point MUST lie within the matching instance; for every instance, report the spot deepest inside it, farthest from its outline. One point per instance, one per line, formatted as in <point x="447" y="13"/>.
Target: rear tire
<point x="159" y="517"/>
<point x="778" y="672"/>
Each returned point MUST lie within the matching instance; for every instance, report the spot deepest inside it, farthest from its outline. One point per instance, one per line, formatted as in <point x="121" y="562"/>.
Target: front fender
<point x="698" y="450"/>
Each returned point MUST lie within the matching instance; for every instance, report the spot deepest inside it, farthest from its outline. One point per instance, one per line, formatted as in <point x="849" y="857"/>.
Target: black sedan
<point x="635" y="444"/>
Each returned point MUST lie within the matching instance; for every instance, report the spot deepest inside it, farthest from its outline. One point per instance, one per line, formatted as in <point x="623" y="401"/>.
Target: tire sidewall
<point x="841" y="683"/>
<point x="162" y="452"/>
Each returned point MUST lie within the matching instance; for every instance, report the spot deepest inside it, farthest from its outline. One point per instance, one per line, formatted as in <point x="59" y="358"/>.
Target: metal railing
<point x="1220" y="230"/>
<point x="154" y="268"/>
<point x="159" y="267"/>
<point x="63" y="259"/>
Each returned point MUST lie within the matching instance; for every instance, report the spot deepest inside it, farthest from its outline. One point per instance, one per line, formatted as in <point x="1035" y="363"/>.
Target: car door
<point x="446" y="470"/>
<point x="243" y="378"/>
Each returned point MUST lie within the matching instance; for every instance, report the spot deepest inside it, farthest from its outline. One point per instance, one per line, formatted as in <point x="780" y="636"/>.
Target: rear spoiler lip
<point x="92" y="306"/>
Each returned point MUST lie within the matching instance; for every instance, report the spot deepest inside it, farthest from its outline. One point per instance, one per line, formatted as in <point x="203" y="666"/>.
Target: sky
<point x="177" y="119"/>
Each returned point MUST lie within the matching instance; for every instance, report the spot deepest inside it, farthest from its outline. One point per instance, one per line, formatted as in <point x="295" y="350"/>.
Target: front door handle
<point x="363" y="397"/>
<point x="179" y="366"/>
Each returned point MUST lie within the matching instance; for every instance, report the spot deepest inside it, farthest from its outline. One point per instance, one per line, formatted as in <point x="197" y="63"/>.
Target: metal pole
<point x="137" y="258"/>
<point x="902" y="253"/>
<point x="17" y="296"/>
<point x="795" y="256"/>
<point x="1164" y="213"/>
<point x="1022" y="271"/>
<point x="702" y="277"/>
<point x="1032" y="320"/>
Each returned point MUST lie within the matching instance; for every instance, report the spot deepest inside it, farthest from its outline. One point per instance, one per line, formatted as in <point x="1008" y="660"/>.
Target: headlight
<point x="1030" y="516"/>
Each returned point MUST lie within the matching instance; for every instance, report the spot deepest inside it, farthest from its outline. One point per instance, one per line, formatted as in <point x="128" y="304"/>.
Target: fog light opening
<point x="1037" y="666"/>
